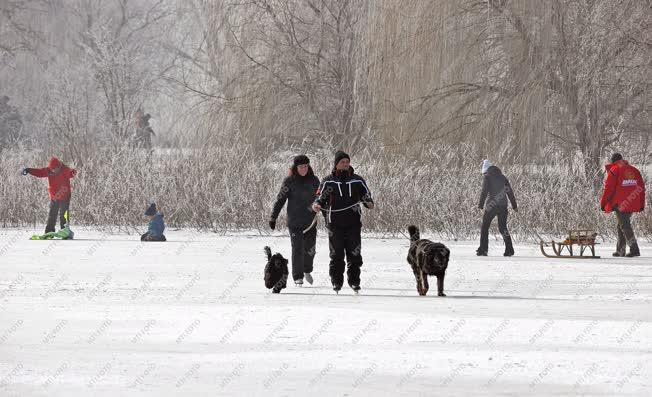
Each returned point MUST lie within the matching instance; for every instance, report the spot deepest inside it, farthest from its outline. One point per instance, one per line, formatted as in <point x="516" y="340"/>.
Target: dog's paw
<point x="441" y="294"/>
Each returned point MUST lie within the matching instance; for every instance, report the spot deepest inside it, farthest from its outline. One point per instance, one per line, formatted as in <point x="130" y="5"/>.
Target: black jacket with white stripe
<point x="339" y="196"/>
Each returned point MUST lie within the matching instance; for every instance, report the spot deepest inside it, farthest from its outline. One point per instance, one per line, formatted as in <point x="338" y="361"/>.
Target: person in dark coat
<point x="340" y="195"/>
<point x="624" y="194"/>
<point x="299" y="190"/>
<point x="496" y="190"/>
<point x="59" y="176"/>
<point x="144" y="131"/>
<point x="156" y="225"/>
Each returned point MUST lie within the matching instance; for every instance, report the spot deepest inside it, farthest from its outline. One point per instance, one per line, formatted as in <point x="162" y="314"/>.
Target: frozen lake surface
<point x="109" y="315"/>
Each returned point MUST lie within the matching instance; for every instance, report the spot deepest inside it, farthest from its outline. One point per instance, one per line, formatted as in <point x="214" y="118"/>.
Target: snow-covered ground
<point x="109" y="315"/>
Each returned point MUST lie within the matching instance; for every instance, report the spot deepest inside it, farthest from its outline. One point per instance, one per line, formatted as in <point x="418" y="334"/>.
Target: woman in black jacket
<point x="299" y="190"/>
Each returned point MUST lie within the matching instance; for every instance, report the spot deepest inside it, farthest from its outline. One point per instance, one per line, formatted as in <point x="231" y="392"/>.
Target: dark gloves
<point x="26" y="171"/>
<point x="272" y="224"/>
<point x="367" y="201"/>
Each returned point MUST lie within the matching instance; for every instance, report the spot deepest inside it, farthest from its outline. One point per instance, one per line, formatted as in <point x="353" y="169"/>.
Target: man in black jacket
<point x="299" y="190"/>
<point x="495" y="191"/>
<point x="340" y="194"/>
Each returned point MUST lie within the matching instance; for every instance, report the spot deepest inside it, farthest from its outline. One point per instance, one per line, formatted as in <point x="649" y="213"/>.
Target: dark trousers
<point x="489" y="215"/>
<point x="345" y="241"/>
<point x="303" y="251"/>
<point x="57" y="207"/>
<point x="150" y="237"/>
<point x="625" y="233"/>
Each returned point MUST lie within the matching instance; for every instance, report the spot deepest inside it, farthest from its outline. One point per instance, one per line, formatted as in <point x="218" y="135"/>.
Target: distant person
<point x="624" y="194"/>
<point x="59" y="176"/>
<point x="156" y="225"/>
<point x="493" y="199"/>
<point x="144" y="132"/>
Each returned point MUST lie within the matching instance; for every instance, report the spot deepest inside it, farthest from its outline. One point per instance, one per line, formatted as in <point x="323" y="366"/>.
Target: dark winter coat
<point x="299" y="191"/>
<point x="496" y="190"/>
<point x="342" y="189"/>
<point x="156" y="225"/>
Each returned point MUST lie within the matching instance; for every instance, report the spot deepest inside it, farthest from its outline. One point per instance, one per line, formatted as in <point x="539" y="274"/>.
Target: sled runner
<point x="582" y="240"/>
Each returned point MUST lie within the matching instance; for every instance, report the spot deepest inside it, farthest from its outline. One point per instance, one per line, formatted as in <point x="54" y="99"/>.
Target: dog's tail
<point x="414" y="233"/>
<point x="268" y="252"/>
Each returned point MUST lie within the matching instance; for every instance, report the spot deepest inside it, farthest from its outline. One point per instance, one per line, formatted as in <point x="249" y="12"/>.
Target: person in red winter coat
<point x="59" y="176"/>
<point x="624" y="194"/>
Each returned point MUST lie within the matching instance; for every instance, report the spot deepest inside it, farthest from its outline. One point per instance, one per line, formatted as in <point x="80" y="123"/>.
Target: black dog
<point x="276" y="271"/>
<point x="427" y="259"/>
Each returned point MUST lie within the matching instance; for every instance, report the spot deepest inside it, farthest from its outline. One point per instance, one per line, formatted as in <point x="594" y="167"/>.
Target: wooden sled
<point x="583" y="239"/>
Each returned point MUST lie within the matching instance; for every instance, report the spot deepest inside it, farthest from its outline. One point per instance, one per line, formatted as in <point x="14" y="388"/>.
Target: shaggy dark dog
<point x="427" y="259"/>
<point x="276" y="271"/>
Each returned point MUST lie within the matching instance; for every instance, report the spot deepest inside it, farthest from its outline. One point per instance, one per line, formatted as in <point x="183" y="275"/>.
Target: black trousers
<point x="303" y="251"/>
<point x="148" y="237"/>
<point x="625" y="233"/>
<point x="345" y="241"/>
<point x="489" y="215"/>
<point x="57" y="207"/>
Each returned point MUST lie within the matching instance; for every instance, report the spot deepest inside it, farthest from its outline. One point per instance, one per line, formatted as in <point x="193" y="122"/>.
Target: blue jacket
<point x="156" y="225"/>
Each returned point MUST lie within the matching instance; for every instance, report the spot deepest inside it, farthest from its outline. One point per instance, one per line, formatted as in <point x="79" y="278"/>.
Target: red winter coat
<point x="58" y="184"/>
<point x="624" y="189"/>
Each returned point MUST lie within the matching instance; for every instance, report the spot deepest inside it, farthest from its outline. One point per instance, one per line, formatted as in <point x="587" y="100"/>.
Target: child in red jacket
<point x="59" y="176"/>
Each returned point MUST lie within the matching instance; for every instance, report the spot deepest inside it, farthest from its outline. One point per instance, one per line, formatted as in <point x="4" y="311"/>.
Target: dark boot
<point x="633" y="251"/>
<point x="502" y="227"/>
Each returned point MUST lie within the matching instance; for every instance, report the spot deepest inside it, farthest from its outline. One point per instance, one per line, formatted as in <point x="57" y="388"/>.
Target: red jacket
<point x="58" y="184"/>
<point x="624" y="189"/>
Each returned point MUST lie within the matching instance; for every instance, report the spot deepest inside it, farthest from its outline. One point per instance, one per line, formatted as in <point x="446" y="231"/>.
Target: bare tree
<point x="120" y="46"/>
<point x="17" y="32"/>
<point x="574" y="70"/>
<point x="302" y="65"/>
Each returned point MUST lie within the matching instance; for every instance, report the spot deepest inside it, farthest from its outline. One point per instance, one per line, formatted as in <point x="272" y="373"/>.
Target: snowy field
<point x="109" y="315"/>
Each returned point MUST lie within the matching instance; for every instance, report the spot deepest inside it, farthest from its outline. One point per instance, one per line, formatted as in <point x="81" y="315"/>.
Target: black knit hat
<point x="616" y="157"/>
<point x="339" y="156"/>
<point x="300" y="159"/>
<point x="151" y="210"/>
